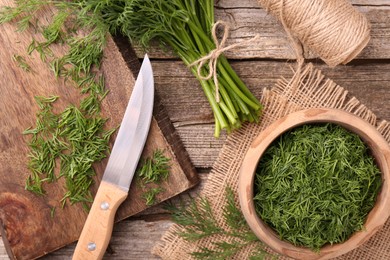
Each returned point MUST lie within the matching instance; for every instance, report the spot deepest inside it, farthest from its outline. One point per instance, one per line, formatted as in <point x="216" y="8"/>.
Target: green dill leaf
<point x="54" y="33"/>
<point x="231" y="212"/>
<point x="45" y="102"/>
<point x="77" y="140"/>
<point x="154" y="169"/>
<point x="68" y="143"/>
<point x="21" y="62"/>
<point x="199" y="221"/>
<point x="150" y="195"/>
<point x="150" y="172"/>
<point x="52" y="212"/>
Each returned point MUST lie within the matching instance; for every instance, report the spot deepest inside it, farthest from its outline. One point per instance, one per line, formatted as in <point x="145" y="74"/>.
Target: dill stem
<point x="217" y="127"/>
<point x="229" y="70"/>
<point x="228" y="100"/>
<point x="214" y="105"/>
<point x="209" y="88"/>
<point x="228" y="77"/>
<point x="240" y="104"/>
<point x="236" y="89"/>
<point x="202" y="35"/>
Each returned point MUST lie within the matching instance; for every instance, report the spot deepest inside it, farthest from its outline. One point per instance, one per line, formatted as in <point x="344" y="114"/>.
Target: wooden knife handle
<point x="97" y="229"/>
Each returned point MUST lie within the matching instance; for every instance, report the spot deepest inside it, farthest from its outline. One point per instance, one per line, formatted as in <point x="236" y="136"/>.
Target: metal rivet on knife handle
<point x="104" y="205"/>
<point x="91" y="246"/>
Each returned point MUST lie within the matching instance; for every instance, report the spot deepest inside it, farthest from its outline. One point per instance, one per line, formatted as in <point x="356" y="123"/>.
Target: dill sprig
<point x="316" y="184"/>
<point x="198" y="221"/>
<point x="75" y="24"/>
<point x="21" y="62"/>
<point x="151" y="172"/>
<point x="150" y="195"/>
<point x="154" y="169"/>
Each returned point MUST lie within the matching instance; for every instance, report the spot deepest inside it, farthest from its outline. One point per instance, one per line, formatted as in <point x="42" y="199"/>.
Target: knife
<point x="120" y="168"/>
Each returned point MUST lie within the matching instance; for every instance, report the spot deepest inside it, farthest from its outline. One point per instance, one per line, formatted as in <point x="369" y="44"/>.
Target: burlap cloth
<point x="308" y="90"/>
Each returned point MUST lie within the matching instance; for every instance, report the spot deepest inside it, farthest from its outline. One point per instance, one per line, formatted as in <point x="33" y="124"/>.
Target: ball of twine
<point x="333" y="29"/>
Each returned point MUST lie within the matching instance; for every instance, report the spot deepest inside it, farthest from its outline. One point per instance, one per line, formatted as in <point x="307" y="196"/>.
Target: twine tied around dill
<point x="211" y="59"/>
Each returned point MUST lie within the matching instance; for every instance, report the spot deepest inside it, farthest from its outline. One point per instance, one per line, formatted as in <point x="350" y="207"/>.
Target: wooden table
<point x="259" y="65"/>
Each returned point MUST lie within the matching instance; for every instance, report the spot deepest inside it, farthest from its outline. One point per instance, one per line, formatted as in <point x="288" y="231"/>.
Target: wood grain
<point x="132" y="240"/>
<point x="260" y="65"/>
<point x="248" y="19"/>
<point x="98" y="227"/>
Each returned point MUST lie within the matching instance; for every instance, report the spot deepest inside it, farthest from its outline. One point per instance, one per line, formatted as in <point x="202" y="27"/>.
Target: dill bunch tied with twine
<point x="316" y="184"/>
<point x="189" y="28"/>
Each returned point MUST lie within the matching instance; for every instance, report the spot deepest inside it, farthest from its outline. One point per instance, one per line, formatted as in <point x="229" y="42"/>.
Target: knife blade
<point x="120" y="168"/>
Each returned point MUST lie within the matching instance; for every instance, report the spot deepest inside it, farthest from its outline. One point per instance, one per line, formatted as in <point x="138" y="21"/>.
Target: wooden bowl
<point x="376" y="218"/>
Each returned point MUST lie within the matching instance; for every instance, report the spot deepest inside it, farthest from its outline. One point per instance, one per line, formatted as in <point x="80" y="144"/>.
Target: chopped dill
<point x="150" y="195"/>
<point x="21" y="62"/>
<point x="52" y="212"/>
<point x="71" y="140"/>
<point x="198" y="221"/>
<point x="316" y="184"/>
<point x="152" y="171"/>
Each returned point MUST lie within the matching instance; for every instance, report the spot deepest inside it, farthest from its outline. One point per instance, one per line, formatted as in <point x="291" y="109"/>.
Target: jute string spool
<point x="333" y="29"/>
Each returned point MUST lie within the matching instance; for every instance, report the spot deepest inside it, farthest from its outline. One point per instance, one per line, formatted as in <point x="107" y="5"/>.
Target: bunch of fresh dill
<point x="186" y="27"/>
<point x="198" y="221"/>
<point x="316" y="184"/>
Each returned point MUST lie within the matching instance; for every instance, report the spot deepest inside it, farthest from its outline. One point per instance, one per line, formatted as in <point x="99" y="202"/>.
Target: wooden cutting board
<point x="28" y="230"/>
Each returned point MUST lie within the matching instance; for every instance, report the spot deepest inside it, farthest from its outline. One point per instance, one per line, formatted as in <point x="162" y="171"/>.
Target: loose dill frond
<point x="52" y="212"/>
<point x="151" y="172"/>
<point x="150" y="195"/>
<point x="21" y="62"/>
<point x="24" y="11"/>
<point x="54" y="32"/>
<point x="198" y="221"/>
<point x="316" y="184"/>
<point x="154" y="169"/>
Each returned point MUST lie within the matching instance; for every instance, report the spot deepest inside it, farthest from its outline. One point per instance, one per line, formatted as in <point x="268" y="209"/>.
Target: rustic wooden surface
<point x="259" y="65"/>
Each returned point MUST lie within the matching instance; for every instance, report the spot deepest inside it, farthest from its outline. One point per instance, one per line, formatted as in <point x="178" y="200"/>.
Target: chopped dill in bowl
<point x="316" y="184"/>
